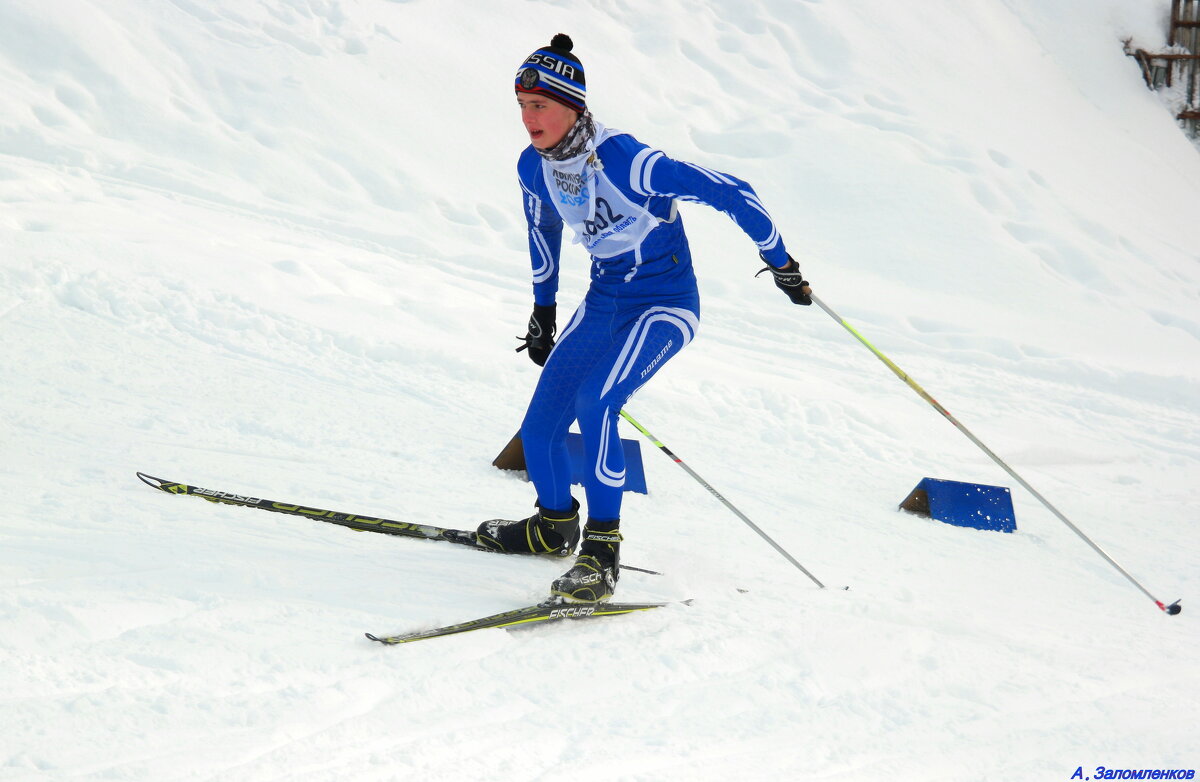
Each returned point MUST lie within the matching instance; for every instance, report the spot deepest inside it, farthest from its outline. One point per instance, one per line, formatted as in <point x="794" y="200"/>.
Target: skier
<point x="620" y="197"/>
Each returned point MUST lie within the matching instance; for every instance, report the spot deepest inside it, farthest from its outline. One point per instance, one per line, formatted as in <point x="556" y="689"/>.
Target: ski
<point x="351" y="520"/>
<point x="553" y="610"/>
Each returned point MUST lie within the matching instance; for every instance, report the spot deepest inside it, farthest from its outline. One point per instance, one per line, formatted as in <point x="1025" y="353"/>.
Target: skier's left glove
<point x="540" y="336"/>
<point x="789" y="280"/>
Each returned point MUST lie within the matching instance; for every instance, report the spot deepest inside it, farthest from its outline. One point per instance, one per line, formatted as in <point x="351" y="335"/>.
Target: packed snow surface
<point x="276" y="248"/>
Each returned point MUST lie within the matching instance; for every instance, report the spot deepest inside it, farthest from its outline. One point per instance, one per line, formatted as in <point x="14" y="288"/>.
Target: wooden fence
<point x="1181" y="64"/>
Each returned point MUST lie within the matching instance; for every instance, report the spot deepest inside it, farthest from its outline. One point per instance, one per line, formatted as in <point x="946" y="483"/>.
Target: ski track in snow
<point x="275" y="249"/>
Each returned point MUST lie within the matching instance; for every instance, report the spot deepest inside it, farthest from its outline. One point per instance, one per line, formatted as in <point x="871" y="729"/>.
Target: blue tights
<point x="604" y="355"/>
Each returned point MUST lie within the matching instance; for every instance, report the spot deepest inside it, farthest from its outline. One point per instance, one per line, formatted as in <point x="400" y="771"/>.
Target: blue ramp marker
<point x="635" y="476"/>
<point x="974" y="505"/>
<point x="513" y="458"/>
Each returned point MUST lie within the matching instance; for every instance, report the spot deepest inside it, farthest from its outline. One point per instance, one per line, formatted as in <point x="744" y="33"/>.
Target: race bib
<point x="617" y="225"/>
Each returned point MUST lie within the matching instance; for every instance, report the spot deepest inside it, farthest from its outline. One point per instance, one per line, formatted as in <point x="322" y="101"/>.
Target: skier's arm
<point x="653" y="173"/>
<point x="545" y="243"/>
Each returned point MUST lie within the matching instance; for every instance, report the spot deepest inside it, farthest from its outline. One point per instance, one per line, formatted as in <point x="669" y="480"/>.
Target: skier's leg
<point x="655" y="336"/>
<point x="555" y="527"/>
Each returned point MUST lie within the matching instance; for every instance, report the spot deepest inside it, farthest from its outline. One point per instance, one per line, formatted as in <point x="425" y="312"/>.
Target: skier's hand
<point x="540" y="336"/>
<point x="789" y="280"/>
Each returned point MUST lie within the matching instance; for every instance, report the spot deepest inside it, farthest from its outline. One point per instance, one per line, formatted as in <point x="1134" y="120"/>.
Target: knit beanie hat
<point x="554" y="72"/>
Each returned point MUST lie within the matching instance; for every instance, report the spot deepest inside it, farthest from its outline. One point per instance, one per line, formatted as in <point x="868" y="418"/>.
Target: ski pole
<point x="1172" y="609"/>
<point x="717" y="494"/>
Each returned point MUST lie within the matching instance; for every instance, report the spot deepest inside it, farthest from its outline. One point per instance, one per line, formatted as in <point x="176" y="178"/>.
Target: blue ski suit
<point x="641" y="308"/>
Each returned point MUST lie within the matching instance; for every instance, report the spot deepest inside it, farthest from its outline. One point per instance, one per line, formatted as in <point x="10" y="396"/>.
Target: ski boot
<point x="593" y="577"/>
<point x="545" y="532"/>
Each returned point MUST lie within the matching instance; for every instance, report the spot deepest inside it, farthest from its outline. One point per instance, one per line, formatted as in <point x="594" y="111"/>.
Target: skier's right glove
<point x="540" y="336"/>
<point x="789" y="280"/>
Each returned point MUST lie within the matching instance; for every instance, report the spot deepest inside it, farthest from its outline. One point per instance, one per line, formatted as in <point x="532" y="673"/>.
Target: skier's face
<point x="545" y="120"/>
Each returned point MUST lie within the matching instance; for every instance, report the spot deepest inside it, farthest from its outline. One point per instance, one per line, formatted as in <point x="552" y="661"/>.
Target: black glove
<point x="789" y="280"/>
<point x="540" y="337"/>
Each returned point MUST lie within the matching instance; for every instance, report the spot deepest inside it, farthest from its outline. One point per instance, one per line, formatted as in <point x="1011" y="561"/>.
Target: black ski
<point x="553" y="610"/>
<point x="352" y="520"/>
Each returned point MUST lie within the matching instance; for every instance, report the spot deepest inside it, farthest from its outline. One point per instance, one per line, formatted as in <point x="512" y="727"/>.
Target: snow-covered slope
<point x="276" y="248"/>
